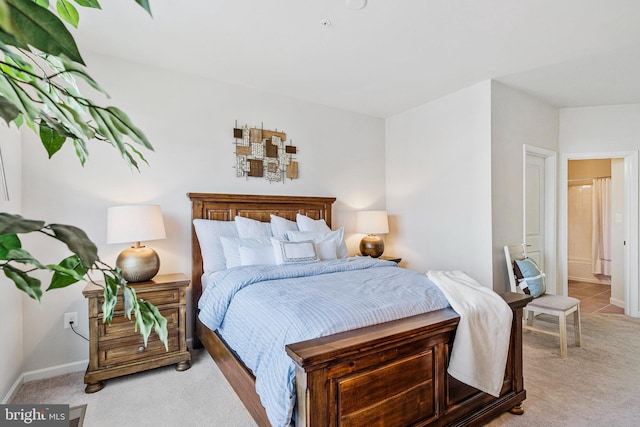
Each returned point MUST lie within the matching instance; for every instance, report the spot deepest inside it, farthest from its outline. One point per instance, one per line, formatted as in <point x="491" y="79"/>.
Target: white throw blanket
<point x="481" y="344"/>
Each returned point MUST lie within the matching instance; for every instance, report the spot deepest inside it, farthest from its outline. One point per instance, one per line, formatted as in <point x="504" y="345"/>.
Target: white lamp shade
<point x="372" y="222"/>
<point x="126" y="224"/>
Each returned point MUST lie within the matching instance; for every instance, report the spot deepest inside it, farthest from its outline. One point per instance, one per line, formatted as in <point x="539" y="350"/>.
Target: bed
<point x="392" y="373"/>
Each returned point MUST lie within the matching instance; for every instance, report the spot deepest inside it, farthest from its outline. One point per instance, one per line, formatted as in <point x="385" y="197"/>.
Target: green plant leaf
<point x="81" y="150"/>
<point x="159" y="322"/>
<point x="69" y="271"/>
<point x="130" y="301"/>
<point x="17" y="96"/>
<point x="15" y="224"/>
<point x="5" y="17"/>
<point x="7" y="243"/>
<point x="38" y="27"/>
<point x="8" y="111"/>
<point x="145" y="5"/>
<point x="51" y="139"/>
<point x="144" y="320"/>
<point x="68" y="12"/>
<point x="124" y="124"/>
<point x="110" y="298"/>
<point x="77" y="241"/>
<point x="24" y="282"/>
<point x="89" y="3"/>
<point x="74" y="69"/>
<point x="23" y="257"/>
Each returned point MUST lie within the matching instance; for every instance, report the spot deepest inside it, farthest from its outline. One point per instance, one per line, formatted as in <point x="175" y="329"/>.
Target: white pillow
<point x="250" y="228"/>
<point x="286" y="252"/>
<point x="231" y="247"/>
<point x="262" y="255"/>
<point x="307" y="224"/>
<point x="208" y="232"/>
<point x="317" y="237"/>
<point x="326" y="250"/>
<point x="280" y="226"/>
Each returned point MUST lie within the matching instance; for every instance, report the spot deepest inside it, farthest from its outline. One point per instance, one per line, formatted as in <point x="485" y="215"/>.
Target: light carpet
<point x="596" y="385"/>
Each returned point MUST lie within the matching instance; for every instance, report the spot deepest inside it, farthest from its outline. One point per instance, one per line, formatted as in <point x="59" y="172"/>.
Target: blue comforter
<point x="260" y="309"/>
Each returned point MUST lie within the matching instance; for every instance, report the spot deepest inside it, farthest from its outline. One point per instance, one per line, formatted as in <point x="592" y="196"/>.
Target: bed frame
<point x="391" y="374"/>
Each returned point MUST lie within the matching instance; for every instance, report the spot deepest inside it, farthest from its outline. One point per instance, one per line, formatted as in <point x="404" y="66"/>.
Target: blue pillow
<point x="530" y="277"/>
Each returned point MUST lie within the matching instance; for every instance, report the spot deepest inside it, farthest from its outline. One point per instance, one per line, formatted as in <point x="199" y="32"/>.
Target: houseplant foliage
<point x="39" y="62"/>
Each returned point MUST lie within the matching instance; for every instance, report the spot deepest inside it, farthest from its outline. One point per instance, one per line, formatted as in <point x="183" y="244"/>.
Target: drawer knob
<point x="140" y="349"/>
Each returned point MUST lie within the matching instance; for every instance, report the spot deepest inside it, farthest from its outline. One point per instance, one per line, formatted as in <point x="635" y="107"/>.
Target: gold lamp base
<point x="138" y="263"/>
<point x="372" y="246"/>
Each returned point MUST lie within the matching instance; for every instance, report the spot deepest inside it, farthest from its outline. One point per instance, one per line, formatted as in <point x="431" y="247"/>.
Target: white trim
<point x="616" y="302"/>
<point x="550" y="191"/>
<point x="54" y="371"/>
<point x="13" y="390"/>
<point x="588" y="280"/>
<point x="40" y="374"/>
<point x="631" y="284"/>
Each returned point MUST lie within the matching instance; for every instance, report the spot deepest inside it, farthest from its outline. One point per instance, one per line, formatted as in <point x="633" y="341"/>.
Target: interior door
<point x="534" y="208"/>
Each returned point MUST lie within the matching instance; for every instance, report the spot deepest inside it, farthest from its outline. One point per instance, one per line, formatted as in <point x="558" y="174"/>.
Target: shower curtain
<point x="601" y="226"/>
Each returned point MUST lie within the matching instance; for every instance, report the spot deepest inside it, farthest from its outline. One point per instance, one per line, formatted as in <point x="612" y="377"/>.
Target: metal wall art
<point x="263" y="153"/>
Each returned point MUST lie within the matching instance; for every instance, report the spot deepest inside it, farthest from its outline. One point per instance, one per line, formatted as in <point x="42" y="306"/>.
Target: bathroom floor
<point x="594" y="298"/>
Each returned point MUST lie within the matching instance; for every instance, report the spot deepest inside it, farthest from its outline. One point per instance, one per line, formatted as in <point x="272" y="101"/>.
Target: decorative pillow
<point x="530" y="278"/>
<point x="286" y="252"/>
<point x="262" y="255"/>
<point x="209" y="232"/>
<point x="250" y="228"/>
<point x="280" y="226"/>
<point x="307" y="224"/>
<point x="318" y="237"/>
<point x="231" y="247"/>
<point x="326" y="250"/>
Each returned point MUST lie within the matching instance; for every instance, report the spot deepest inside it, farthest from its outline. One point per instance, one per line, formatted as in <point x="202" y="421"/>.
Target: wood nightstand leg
<point x="94" y="387"/>
<point x="183" y="366"/>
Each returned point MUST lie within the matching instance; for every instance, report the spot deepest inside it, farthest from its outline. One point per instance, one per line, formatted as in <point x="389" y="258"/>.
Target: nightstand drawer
<point x="157" y="298"/>
<point x="132" y="349"/>
<point x="122" y="327"/>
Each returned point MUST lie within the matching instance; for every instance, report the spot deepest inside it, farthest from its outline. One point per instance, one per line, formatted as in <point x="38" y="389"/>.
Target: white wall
<point x="190" y="121"/>
<point x="516" y="119"/>
<point x="438" y="163"/>
<point x="10" y="297"/>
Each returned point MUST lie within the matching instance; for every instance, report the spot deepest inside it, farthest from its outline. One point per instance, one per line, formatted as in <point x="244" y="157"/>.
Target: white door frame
<point x="631" y="284"/>
<point x="550" y="186"/>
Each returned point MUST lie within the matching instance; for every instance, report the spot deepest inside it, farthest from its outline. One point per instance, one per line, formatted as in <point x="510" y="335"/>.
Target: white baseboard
<point x="589" y="280"/>
<point x="616" y="302"/>
<point x="40" y="374"/>
<point x="13" y="390"/>
<point x="54" y="371"/>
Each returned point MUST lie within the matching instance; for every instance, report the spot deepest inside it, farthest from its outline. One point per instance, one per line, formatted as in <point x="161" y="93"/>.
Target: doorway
<point x="624" y="226"/>
<point x="595" y="202"/>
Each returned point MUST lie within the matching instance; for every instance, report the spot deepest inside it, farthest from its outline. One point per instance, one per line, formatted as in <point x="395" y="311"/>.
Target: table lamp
<point x="372" y="223"/>
<point x="135" y="224"/>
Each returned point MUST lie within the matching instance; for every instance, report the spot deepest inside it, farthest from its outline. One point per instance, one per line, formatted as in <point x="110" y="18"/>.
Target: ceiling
<point x="389" y="56"/>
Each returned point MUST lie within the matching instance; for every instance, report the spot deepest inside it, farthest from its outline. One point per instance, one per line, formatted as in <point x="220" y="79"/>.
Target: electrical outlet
<point x="70" y="317"/>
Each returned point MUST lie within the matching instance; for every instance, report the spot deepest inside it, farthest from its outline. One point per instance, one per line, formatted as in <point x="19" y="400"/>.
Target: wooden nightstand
<point x="117" y="349"/>
<point x="391" y="258"/>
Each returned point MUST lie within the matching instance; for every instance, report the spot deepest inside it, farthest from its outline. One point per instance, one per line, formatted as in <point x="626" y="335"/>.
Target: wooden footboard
<point x="392" y="374"/>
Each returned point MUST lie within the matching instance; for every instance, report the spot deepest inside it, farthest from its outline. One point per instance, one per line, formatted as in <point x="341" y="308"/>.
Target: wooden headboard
<point x="225" y="207"/>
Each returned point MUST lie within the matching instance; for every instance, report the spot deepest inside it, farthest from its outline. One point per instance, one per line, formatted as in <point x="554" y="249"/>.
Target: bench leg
<point x="563" y="335"/>
<point x="577" y="331"/>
